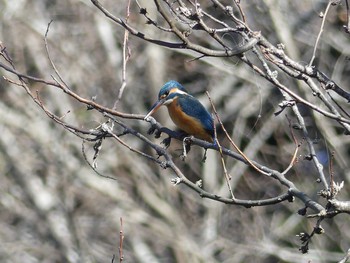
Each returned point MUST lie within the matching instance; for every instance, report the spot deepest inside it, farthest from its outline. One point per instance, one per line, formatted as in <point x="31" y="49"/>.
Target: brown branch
<point x="133" y="31"/>
<point x="185" y="44"/>
<point x="74" y="95"/>
<point x="181" y="178"/>
<point x="286" y="63"/>
<point x="295" y="96"/>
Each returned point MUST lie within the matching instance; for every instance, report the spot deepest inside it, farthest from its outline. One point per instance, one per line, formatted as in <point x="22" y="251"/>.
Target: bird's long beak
<point x="155" y="107"/>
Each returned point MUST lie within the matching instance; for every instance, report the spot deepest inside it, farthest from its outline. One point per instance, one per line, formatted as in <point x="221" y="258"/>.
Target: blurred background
<point x="55" y="208"/>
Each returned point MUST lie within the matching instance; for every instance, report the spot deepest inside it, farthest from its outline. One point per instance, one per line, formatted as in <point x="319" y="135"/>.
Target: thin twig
<point x="297" y="146"/>
<point x="109" y="131"/>
<point x="324" y="16"/>
<point x="90" y="103"/>
<point x="347" y="27"/>
<point x="126" y="57"/>
<point x="238" y="4"/>
<point x="92" y="166"/>
<point x="49" y="56"/>
<point x="331" y="174"/>
<point x="121" y="239"/>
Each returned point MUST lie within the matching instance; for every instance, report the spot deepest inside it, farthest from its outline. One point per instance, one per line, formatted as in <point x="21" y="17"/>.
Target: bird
<point x="188" y="114"/>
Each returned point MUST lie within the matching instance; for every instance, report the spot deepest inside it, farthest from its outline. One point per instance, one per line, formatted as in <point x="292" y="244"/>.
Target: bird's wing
<point x="192" y="107"/>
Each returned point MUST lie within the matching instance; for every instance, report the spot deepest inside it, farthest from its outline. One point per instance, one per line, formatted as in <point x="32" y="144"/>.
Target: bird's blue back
<point x="192" y="107"/>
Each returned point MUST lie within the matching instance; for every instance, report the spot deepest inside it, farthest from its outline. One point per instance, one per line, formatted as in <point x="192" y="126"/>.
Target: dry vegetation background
<point x="55" y="208"/>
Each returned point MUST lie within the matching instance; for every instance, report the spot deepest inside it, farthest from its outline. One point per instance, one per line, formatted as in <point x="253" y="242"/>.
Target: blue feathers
<point x="185" y="110"/>
<point x="167" y="87"/>
<point x="192" y="107"/>
<point x="189" y="105"/>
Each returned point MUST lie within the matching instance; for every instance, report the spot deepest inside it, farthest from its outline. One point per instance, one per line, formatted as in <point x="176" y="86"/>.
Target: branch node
<point x="199" y="183"/>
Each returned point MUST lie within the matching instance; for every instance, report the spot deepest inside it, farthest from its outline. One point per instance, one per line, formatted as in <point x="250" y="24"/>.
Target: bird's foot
<point x="166" y="142"/>
<point x="154" y="130"/>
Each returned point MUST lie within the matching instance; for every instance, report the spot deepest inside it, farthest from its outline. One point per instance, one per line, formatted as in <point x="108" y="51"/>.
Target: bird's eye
<point x="164" y="95"/>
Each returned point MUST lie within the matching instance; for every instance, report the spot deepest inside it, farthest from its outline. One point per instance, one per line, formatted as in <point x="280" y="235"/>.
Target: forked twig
<point x="227" y="176"/>
<point x="238" y="4"/>
<point x="93" y="166"/>
<point x="49" y="56"/>
<point x="232" y="142"/>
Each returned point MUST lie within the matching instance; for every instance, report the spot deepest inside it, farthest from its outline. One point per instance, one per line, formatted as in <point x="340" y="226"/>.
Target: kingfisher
<point x="188" y="114"/>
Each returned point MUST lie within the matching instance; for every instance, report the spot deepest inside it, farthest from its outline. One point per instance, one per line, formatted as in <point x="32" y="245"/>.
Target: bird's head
<point x="167" y="94"/>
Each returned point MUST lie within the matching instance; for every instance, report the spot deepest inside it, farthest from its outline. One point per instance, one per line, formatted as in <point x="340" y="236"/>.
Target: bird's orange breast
<point x="187" y="123"/>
